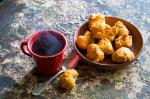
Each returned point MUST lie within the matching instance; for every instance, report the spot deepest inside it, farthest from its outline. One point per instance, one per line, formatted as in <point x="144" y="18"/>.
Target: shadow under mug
<point x="46" y="65"/>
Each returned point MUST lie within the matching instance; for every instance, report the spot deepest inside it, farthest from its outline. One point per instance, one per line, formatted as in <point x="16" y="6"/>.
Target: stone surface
<point x="20" y="18"/>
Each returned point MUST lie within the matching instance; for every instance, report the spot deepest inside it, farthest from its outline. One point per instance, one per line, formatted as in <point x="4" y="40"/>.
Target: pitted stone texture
<point x="20" y="18"/>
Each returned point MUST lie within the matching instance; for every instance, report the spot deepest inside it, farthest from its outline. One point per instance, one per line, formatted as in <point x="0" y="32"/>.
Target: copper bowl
<point x="107" y="63"/>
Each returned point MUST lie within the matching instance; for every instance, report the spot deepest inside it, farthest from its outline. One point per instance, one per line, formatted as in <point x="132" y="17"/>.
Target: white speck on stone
<point x="20" y="14"/>
<point x="3" y="52"/>
<point x="49" y="3"/>
<point x="148" y="19"/>
<point x="15" y="44"/>
<point x="84" y="86"/>
<point x="119" y="85"/>
<point x="7" y="60"/>
<point x="137" y="84"/>
<point x="131" y="95"/>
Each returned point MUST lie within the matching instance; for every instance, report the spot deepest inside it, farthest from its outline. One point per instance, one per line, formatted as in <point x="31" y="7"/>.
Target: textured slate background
<point x="19" y="18"/>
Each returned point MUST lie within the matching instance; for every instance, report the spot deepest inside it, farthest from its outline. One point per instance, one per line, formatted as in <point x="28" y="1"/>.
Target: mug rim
<point x="50" y="56"/>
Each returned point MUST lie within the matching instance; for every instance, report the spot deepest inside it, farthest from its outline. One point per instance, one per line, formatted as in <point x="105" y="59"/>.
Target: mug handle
<point x="24" y="48"/>
<point x="73" y="62"/>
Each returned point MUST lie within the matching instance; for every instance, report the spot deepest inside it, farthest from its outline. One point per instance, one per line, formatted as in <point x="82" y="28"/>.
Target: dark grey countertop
<point x="19" y="18"/>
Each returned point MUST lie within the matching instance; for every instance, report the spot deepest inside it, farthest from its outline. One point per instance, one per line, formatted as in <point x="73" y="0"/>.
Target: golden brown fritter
<point x="106" y="46"/>
<point x="84" y="40"/>
<point x="68" y="79"/>
<point x="96" y="18"/>
<point x="120" y="24"/>
<point x="97" y="35"/>
<point x="122" y="54"/>
<point x="97" y="28"/>
<point x="94" y="53"/>
<point x="122" y="30"/>
<point x="96" y="23"/>
<point x="108" y="33"/>
<point x="108" y="26"/>
<point x="115" y="30"/>
<point x="87" y="33"/>
<point x="123" y="41"/>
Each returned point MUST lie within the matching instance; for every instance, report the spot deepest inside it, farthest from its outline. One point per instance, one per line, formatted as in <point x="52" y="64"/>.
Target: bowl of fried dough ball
<point x="108" y="42"/>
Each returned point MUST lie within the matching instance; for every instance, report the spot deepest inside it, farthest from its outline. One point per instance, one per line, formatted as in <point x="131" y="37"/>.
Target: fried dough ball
<point x="109" y="33"/>
<point x="115" y="30"/>
<point x="96" y="18"/>
<point x="98" y="35"/>
<point x="120" y="24"/>
<point x="96" y="23"/>
<point x="94" y="53"/>
<point x="106" y="46"/>
<point x="123" y="41"/>
<point x="68" y="79"/>
<point x="97" y="28"/>
<point x="122" y="30"/>
<point x="108" y="26"/>
<point x="122" y="54"/>
<point x="84" y="40"/>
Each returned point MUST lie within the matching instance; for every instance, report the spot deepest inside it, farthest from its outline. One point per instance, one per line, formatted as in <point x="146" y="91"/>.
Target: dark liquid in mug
<point x="47" y="44"/>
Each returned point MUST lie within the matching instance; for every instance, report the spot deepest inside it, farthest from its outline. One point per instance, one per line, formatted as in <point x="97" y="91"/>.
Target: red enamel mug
<point x="46" y="65"/>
